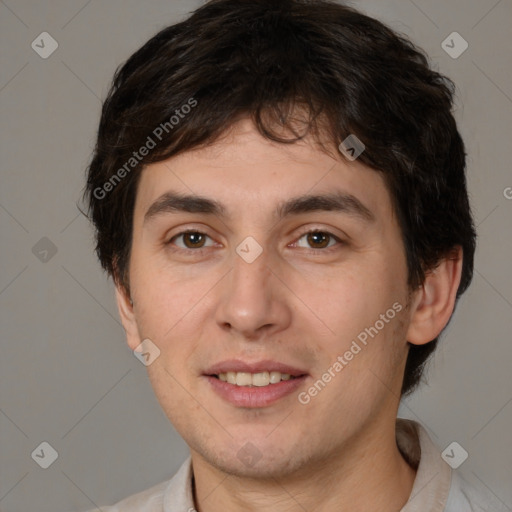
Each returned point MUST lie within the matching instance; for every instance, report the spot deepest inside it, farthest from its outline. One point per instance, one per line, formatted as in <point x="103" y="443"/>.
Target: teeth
<point x="260" y="379"/>
<point x="254" y="379"/>
<point x="243" y="379"/>
<point x="275" y="377"/>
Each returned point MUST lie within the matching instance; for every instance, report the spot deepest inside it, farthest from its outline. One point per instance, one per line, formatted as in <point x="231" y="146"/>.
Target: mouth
<point x="254" y="384"/>
<point x="260" y="379"/>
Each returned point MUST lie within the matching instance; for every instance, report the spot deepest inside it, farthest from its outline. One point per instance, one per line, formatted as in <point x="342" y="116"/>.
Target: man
<point x="279" y="193"/>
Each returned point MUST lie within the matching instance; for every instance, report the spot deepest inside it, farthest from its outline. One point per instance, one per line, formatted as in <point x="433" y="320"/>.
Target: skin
<point x="297" y="303"/>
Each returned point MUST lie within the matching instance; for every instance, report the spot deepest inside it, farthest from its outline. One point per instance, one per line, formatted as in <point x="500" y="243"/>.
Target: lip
<point x="253" y="397"/>
<point x="236" y="365"/>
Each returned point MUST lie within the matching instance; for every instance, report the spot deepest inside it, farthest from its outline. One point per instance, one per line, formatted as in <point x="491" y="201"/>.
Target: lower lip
<point x="245" y="396"/>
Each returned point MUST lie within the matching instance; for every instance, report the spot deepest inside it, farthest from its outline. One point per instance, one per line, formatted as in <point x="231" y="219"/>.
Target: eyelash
<point x="200" y="250"/>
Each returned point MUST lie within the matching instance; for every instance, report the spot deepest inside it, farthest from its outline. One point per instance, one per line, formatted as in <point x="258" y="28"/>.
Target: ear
<point x="127" y="315"/>
<point x="434" y="302"/>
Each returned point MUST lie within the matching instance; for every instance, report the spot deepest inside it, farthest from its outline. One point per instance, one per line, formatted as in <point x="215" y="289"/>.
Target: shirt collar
<point x="178" y="496"/>
<point x="433" y="477"/>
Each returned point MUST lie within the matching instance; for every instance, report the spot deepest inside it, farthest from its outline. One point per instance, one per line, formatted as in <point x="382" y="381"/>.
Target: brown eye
<point x="190" y="240"/>
<point x="193" y="240"/>
<point x="317" y="240"/>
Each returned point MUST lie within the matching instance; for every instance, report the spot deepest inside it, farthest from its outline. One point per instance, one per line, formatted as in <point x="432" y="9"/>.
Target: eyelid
<point x="303" y="232"/>
<point x="186" y="231"/>
<point x="309" y="230"/>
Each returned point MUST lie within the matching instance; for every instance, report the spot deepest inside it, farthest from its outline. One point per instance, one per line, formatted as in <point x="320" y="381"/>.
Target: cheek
<point x="364" y="308"/>
<point x="361" y="364"/>
<point x="356" y="297"/>
<point x="162" y="305"/>
<point x="165" y="295"/>
<point x="171" y="391"/>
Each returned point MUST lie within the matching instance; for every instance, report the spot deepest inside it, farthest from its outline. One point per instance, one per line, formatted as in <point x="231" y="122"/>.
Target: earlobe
<point x="434" y="302"/>
<point x="126" y="312"/>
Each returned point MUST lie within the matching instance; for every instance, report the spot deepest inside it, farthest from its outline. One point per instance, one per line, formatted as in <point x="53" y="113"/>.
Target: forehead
<point x="246" y="174"/>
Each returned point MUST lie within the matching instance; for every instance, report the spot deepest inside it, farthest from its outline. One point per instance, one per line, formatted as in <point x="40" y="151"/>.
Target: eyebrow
<point x="172" y="202"/>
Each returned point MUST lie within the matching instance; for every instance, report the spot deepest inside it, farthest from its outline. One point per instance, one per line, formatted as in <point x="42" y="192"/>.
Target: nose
<point x="253" y="301"/>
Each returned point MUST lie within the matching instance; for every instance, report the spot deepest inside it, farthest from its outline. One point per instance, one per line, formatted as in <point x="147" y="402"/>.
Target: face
<point x="298" y="302"/>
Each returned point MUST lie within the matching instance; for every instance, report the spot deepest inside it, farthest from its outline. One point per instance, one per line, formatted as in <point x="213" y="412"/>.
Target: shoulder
<point x="437" y="486"/>
<point x="465" y="496"/>
<point x="150" y="500"/>
<point x="169" y="496"/>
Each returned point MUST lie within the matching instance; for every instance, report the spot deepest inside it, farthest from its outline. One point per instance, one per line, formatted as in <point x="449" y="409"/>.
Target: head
<point x="246" y="104"/>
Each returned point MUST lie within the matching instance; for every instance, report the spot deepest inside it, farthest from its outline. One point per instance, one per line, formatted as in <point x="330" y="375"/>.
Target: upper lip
<point x="236" y="365"/>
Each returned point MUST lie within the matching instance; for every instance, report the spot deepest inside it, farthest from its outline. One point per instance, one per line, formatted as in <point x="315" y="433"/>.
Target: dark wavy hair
<point x="347" y="73"/>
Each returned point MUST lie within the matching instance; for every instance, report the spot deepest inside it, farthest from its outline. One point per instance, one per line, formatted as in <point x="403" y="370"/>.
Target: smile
<point x="259" y="379"/>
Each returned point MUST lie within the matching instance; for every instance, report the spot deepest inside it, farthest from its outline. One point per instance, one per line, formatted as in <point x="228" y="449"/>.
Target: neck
<point x="367" y="473"/>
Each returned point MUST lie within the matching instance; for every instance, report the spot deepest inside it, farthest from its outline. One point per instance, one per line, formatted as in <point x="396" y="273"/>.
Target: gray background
<point x="67" y="376"/>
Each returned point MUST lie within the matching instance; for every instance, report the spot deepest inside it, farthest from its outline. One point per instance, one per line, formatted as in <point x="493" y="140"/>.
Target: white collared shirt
<point x="437" y="487"/>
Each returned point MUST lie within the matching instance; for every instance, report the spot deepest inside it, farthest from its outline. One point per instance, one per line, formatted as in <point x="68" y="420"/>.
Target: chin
<point x="252" y="459"/>
<point x="265" y="468"/>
